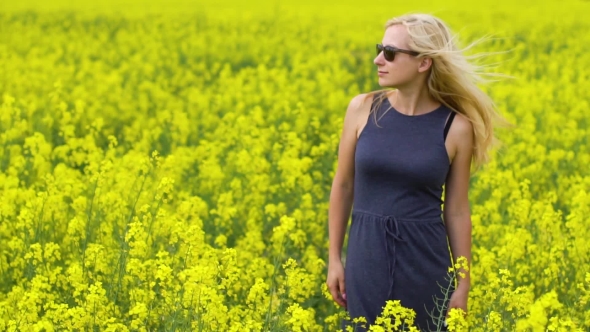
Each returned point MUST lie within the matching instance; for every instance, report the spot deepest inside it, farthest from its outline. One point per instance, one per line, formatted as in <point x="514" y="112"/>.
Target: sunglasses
<point x="389" y="52"/>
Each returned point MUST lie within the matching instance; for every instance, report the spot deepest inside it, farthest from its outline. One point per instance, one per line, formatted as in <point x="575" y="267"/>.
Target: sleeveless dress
<point x="397" y="242"/>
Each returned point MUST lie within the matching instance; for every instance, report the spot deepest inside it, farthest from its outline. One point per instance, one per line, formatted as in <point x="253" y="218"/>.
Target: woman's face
<point x="403" y="70"/>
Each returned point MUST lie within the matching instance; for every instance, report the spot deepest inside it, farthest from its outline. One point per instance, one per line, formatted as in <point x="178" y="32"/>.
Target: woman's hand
<point x="458" y="300"/>
<point x="335" y="282"/>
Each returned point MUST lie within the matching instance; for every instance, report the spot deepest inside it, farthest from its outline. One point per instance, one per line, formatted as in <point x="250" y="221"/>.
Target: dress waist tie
<point x="392" y="235"/>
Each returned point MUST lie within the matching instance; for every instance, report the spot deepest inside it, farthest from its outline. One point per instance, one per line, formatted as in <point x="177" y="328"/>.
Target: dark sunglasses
<point x="389" y="51"/>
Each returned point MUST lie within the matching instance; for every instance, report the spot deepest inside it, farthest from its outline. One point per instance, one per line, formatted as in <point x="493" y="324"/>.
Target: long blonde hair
<point x="452" y="79"/>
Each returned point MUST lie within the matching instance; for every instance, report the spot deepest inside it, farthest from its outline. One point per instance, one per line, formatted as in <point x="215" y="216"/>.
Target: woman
<point x="399" y="146"/>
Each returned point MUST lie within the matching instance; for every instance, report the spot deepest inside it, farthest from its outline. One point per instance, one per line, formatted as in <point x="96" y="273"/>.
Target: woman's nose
<point x="378" y="59"/>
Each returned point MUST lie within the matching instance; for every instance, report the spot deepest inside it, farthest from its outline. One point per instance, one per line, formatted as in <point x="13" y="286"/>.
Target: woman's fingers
<point x="342" y="288"/>
<point x="336" y="284"/>
<point x="334" y="288"/>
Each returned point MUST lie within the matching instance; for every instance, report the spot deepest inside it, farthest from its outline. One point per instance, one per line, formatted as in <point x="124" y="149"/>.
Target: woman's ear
<point x="425" y="64"/>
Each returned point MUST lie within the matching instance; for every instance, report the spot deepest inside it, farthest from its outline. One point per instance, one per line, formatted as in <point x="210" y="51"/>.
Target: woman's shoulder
<point x="365" y="99"/>
<point x="361" y="99"/>
<point x="461" y="126"/>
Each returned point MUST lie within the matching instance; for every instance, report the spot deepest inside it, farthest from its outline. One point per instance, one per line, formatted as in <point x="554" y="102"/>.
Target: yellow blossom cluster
<point x="166" y="166"/>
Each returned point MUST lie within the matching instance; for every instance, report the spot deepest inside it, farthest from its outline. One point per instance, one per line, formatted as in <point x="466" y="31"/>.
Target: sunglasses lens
<point x="388" y="54"/>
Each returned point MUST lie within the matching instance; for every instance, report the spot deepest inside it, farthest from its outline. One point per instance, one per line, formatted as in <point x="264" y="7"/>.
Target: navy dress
<point x="397" y="242"/>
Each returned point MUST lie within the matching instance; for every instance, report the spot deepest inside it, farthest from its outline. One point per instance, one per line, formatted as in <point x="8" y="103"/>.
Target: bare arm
<point x="457" y="213"/>
<point x="341" y="194"/>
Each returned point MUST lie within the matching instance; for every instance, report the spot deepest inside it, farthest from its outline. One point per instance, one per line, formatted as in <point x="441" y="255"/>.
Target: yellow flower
<point x="456" y="320"/>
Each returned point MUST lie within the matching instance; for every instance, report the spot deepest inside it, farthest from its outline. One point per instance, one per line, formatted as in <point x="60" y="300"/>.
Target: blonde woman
<point x="399" y="147"/>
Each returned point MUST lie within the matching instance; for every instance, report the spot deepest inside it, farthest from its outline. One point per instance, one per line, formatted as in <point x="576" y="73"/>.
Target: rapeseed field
<point x="166" y="166"/>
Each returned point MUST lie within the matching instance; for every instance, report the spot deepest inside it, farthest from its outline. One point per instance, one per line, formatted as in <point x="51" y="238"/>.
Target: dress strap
<point x="448" y="124"/>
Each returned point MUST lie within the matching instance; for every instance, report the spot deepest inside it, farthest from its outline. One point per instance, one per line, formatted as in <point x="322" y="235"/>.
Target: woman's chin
<point x="385" y="82"/>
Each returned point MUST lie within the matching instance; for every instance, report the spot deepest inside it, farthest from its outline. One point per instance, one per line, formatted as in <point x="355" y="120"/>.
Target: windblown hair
<point x="452" y="79"/>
